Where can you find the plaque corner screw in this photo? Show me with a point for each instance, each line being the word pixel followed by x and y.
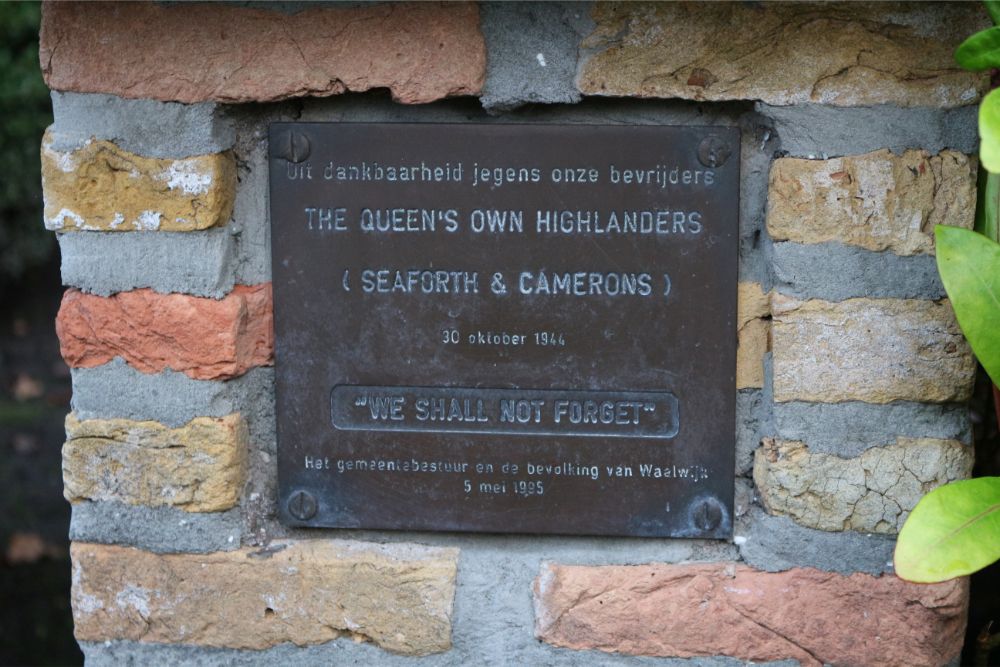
pixel 706 514
pixel 713 151
pixel 291 145
pixel 302 505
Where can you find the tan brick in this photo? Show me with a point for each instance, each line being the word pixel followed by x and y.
pixel 100 187
pixel 198 467
pixel 198 52
pixel 873 350
pixel 710 609
pixel 872 493
pixel 206 339
pixel 753 311
pixel 843 54
pixel 878 201
pixel 398 596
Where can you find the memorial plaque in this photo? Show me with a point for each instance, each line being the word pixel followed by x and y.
pixel 506 328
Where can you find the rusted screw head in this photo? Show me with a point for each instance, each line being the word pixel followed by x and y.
pixel 302 505
pixel 706 514
pixel 290 145
pixel 713 151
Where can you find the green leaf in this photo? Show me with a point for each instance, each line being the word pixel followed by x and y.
pixel 969 264
pixel 980 51
pixel 988 205
pixel 954 530
pixel 993 9
pixel 989 131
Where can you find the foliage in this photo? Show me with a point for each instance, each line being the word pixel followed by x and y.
pixel 989 131
pixel 979 51
pixel 948 533
pixel 969 264
pixel 955 529
pixel 993 9
pixel 988 205
pixel 26 111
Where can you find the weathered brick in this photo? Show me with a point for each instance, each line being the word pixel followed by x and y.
pixel 199 467
pixel 100 187
pixel 878 201
pixel 844 54
pixel 398 596
pixel 206 339
pixel 753 311
pixel 873 492
pixel 712 609
pixel 873 350
pixel 421 52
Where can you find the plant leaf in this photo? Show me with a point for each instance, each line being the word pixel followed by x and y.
pixel 980 51
pixel 988 205
pixel 954 530
pixel 989 131
pixel 993 9
pixel 969 264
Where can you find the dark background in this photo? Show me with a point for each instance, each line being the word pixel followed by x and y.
pixel 35 620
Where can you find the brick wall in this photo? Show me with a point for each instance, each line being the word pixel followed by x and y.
pixel 858 136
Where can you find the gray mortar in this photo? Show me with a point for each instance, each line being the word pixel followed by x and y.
pixel 158 529
pixel 145 127
pixel 835 271
pixel 532 52
pixel 347 652
pixel 252 208
pixel 198 263
pixel 847 429
pixel 759 145
pixel 817 131
pixel 116 390
pixel 776 543
pixel 376 108
pixel 744 497
pixel 753 422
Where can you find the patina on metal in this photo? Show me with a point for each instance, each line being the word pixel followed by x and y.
pixel 506 328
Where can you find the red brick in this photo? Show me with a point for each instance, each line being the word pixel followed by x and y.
pixel 723 609
pixel 194 52
pixel 206 339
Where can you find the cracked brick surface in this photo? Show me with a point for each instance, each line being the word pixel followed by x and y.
pixel 201 52
pixel 873 492
pixel 872 53
pixel 710 609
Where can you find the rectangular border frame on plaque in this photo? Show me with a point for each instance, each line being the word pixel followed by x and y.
pixel 506 327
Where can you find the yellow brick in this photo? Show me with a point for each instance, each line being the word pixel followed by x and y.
pixel 198 467
pixel 100 187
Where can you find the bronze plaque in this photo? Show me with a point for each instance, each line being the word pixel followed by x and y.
pixel 506 328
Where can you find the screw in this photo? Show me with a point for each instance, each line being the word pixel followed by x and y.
pixel 707 514
pixel 713 151
pixel 302 505
pixel 290 145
